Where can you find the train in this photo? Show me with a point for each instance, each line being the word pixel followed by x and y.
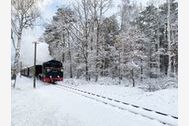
pixel 50 71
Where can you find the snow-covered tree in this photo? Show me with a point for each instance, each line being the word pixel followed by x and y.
pixel 110 30
pixel 23 16
pixel 58 36
pixel 132 49
pixel 98 9
pixel 131 45
pixel 169 24
pixel 148 22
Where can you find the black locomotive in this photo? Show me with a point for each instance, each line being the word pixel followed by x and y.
pixel 50 71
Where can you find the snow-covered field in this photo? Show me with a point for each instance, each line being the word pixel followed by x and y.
pixel 48 105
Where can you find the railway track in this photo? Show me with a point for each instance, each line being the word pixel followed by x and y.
pixel 161 117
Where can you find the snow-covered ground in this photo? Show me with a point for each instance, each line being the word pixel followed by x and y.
pixel 48 105
pixel 162 100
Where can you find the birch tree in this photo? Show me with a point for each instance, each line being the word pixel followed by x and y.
pixel 23 16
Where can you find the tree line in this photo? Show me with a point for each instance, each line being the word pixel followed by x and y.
pixel 142 43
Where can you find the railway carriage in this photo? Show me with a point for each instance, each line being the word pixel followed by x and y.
pixel 28 72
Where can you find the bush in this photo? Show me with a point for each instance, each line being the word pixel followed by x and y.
pixel 159 83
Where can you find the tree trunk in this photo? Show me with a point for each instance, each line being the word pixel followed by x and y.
pixel 132 77
pixel 97 53
pixel 86 70
pixel 63 64
pixel 17 56
pixel 158 47
pixel 20 68
pixel 86 58
pixel 141 71
pixel 63 54
pixel 120 76
pixel 14 78
pixel 70 57
pixel 169 39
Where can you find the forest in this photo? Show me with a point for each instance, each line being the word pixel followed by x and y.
pixel 137 43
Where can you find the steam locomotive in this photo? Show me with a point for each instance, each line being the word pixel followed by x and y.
pixel 50 71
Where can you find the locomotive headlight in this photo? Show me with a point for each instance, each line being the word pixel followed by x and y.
pixel 50 76
pixel 58 76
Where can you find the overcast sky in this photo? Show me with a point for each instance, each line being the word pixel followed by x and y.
pixel 48 9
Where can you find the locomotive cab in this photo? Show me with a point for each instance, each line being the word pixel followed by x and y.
pixel 52 71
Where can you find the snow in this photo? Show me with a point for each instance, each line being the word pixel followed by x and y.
pixel 163 100
pixel 50 105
